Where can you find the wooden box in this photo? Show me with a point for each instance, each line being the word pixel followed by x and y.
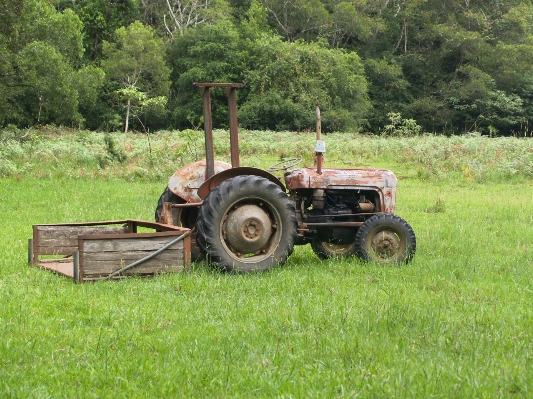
pixel 110 249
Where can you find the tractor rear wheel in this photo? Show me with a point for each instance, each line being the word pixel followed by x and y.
pixel 326 250
pixel 246 224
pixel 385 238
pixel 184 217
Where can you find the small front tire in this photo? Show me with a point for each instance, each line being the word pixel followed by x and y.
pixel 385 238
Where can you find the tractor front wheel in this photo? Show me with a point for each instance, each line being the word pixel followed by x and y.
pixel 246 224
pixel 385 238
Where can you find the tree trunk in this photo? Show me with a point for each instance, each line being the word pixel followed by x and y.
pixel 127 116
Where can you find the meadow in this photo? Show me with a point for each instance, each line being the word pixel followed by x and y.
pixel 455 322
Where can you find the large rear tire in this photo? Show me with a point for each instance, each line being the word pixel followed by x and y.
pixel 246 224
pixel 385 238
pixel 184 217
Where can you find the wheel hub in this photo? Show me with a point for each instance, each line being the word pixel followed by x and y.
pixel 386 244
pixel 248 229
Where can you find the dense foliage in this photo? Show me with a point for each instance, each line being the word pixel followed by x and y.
pixel 439 66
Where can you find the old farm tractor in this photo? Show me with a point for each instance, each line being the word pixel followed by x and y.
pixel 245 219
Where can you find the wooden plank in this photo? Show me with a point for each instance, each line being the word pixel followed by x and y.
pixel 81 258
pixel 55 251
pixel 132 256
pixel 72 232
pixel 55 260
pixel 154 265
pixel 101 223
pixel 174 234
pixel 35 249
pixel 160 226
pixel 59 242
pixel 126 244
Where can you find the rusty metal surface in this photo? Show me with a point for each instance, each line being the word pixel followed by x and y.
pixel 335 224
pixel 210 184
pixel 231 91
pixel 186 181
pixel 187 205
pixel 381 180
pixel 208 132
pixel 233 126
pixel 247 230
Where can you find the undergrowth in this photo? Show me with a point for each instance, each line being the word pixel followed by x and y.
pixel 48 153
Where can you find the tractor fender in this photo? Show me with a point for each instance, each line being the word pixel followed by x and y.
pixel 214 181
pixel 185 181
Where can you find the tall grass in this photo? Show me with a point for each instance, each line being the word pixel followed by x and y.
pixel 49 153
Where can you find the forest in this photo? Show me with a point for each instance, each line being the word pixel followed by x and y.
pixel 392 67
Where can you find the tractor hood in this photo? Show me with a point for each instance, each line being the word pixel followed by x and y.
pixel 340 178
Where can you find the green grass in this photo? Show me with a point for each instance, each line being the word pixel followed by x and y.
pixel 456 322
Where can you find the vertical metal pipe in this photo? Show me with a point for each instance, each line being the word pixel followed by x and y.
pixel 233 126
pixel 76 267
pixel 30 251
pixel 319 158
pixel 208 130
pixel 318 124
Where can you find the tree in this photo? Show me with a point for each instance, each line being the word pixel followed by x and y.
pixel 353 22
pixel 297 18
pixel 50 94
pixel 135 63
pixel 288 80
pixel 207 53
pixel 101 18
pixel 183 14
pixel 41 52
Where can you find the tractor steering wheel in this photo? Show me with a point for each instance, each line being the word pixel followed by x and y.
pixel 285 164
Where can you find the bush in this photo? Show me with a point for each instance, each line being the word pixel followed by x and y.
pixel 400 127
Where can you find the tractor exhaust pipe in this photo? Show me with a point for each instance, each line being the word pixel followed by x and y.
pixel 320 147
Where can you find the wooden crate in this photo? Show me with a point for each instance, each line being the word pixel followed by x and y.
pixel 97 250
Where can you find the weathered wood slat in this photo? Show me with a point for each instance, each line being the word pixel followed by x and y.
pixel 92 268
pixel 132 256
pixel 56 250
pixel 128 244
pixel 56 260
pixel 71 232
pixel 58 242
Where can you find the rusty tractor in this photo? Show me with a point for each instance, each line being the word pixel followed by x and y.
pixel 245 219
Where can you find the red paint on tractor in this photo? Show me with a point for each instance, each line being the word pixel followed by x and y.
pixel 381 180
pixel 186 181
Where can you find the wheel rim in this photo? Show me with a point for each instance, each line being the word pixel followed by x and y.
pixel 251 230
pixel 386 246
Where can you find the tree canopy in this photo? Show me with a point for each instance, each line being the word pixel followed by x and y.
pixel 451 67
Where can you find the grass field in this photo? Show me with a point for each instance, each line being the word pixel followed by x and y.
pixel 456 322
